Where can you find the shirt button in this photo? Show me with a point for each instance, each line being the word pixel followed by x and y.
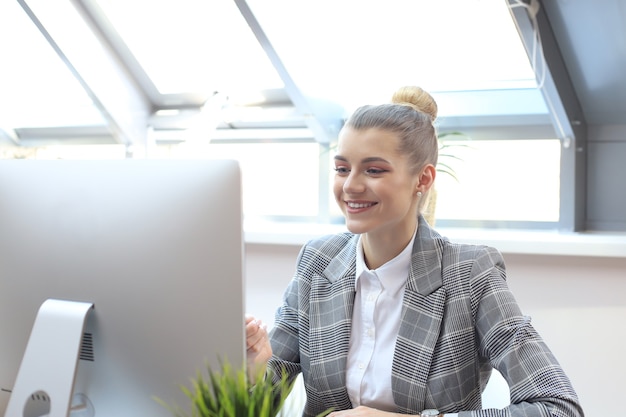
pixel 370 332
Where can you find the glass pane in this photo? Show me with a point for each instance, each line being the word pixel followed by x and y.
pixel 192 46
pixel 279 179
pixel 358 52
pixel 36 87
pixel 515 180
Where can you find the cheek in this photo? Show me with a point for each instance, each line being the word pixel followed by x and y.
pixel 401 197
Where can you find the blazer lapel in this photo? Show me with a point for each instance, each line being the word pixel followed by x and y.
pixel 332 302
pixel 422 314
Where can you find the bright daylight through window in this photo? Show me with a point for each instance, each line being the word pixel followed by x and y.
pixel 227 79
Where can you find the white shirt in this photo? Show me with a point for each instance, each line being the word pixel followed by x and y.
pixel 375 325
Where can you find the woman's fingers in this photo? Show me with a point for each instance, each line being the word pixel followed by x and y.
pixel 256 333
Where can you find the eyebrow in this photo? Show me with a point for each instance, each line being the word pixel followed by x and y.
pixel 364 160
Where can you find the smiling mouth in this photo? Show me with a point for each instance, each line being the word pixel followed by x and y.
pixel 359 205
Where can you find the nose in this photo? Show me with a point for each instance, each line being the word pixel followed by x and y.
pixel 353 183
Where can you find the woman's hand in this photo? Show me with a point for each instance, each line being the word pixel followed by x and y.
pixel 362 411
pixel 258 348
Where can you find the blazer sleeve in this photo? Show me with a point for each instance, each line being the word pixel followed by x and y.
pixel 284 337
pixel 537 383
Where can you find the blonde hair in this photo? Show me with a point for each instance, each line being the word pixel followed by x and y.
pixel 417 98
pixel 411 115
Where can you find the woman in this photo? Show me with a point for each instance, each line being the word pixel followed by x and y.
pixel 392 318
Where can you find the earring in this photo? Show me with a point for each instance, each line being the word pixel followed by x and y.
pixel 419 194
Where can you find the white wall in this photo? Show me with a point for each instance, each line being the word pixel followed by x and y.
pixel 577 303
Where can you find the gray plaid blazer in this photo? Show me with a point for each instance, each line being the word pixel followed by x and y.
pixel 459 321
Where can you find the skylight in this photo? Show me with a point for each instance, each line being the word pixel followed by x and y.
pixel 36 87
pixel 349 51
pixel 192 45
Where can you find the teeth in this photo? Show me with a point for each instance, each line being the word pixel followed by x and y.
pixel 360 205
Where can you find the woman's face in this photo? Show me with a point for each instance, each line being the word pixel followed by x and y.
pixel 373 184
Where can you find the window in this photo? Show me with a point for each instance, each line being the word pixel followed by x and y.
pixel 197 63
pixel 279 180
pixel 502 181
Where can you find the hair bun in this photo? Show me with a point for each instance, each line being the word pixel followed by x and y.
pixel 417 98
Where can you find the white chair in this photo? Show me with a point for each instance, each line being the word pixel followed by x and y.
pixel 496 393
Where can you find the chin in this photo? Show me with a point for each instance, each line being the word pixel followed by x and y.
pixel 356 228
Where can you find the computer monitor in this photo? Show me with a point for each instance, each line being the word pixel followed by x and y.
pixel 155 246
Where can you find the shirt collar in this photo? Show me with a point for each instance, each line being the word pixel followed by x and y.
pixel 400 262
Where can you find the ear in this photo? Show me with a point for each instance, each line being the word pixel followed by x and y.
pixel 426 178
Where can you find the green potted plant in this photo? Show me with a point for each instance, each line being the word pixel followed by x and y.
pixel 447 142
pixel 230 392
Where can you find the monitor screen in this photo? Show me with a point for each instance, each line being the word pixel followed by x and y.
pixel 155 246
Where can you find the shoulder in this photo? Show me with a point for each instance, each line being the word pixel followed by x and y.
pixel 471 266
pixel 319 252
pixel 479 257
pixel 460 256
pixel 329 245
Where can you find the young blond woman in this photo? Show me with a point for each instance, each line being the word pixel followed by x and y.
pixel 392 318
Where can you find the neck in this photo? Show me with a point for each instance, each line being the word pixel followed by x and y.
pixel 378 249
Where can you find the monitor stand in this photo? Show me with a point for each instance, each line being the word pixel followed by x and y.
pixel 45 379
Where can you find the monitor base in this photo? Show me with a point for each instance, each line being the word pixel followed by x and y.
pixel 45 379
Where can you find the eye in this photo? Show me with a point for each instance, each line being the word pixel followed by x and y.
pixel 375 171
pixel 342 170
